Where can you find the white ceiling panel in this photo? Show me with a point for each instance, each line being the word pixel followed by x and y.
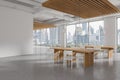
pixel 41 13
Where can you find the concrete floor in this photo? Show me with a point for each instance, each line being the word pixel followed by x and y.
pixel 33 68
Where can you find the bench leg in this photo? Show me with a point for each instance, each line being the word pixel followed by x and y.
pixel 110 53
pixel 74 55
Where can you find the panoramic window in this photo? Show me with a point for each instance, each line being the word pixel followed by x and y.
pixel 45 37
pixel 70 35
pixel 81 32
pixel 54 33
pixel 96 33
pixel 118 33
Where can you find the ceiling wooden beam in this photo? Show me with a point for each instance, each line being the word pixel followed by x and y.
pixel 38 25
pixel 83 8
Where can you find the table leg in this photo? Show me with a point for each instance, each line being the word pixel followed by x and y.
pixel 61 55
pixel 91 59
pixel 88 59
pixel 56 58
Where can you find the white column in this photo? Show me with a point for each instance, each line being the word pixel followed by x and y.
pixel 62 36
pixel 110 31
pixel 109 27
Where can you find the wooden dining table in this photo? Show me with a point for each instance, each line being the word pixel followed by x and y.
pixel 88 54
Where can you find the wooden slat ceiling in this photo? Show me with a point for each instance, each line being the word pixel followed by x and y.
pixel 38 25
pixel 83 8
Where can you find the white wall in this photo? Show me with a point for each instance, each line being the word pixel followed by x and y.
pixel 15 32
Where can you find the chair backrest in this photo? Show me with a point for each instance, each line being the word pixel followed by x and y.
pixel 89 46
pixel 97 47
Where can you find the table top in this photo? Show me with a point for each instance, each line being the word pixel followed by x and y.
pixel 107 47
pixel 78 50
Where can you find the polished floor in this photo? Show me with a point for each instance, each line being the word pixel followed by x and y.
pixel 32 67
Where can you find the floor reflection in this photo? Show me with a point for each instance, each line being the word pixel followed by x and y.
pixel 37 69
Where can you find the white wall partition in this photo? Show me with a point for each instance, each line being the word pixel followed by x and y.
pixel 15 32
